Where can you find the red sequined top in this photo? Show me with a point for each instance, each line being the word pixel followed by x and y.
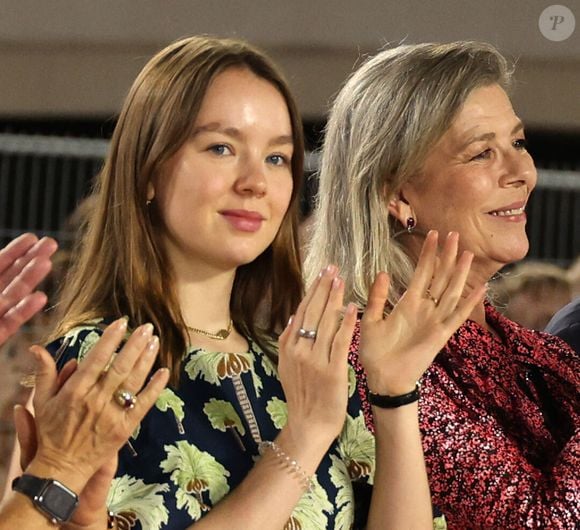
pixel 500 419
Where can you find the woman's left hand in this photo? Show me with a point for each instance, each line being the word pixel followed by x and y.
pixel 91 510
pixel 80 424
pixel 397 349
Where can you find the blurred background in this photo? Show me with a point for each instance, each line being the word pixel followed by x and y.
pixel 66 65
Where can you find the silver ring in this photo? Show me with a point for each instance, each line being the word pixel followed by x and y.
pixel 125 399
pixel 307 333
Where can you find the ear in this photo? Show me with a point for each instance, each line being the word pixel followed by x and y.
pixel 150 191
pixel 400 209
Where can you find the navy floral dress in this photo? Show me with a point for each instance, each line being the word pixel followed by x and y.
pixel 201 439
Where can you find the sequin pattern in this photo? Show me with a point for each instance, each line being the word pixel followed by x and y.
pixel 500 420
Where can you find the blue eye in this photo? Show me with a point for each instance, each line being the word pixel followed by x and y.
pixel 521 143
pixel 277 160
pixel 220 149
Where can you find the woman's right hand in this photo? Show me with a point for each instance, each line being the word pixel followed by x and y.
pixel 314 372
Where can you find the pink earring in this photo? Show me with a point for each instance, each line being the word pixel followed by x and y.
pixel 410 224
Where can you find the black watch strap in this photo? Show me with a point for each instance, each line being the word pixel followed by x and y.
pixel 51 497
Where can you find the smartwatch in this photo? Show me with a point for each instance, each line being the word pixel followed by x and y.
pixel 50 497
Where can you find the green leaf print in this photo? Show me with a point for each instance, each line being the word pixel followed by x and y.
pixel 351 381
pixel 168 400
pixel 222 416
pixel 216 366
pixel 195 472
pixel 136 432
pixel 345 497
pixel 72 336
pixel 278 411
pixel 311 512
pixel 357 448
pixel 130 499
pixel 268 366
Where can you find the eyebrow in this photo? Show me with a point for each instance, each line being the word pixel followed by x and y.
pixel 238 135
pixel 491 135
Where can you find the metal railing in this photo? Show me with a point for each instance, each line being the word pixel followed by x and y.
pixel 42 179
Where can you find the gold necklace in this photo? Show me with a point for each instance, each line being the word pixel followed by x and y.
pixel 222 334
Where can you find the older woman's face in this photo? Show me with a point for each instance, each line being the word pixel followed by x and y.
pixel 477 180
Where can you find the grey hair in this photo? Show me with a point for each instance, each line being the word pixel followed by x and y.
pixel 382 125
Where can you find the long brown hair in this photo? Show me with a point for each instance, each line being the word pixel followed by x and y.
pixel 121 268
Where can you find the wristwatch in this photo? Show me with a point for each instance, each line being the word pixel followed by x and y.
pixel 51 497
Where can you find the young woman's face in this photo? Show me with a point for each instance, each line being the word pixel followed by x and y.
pixel 223 195
pixel 477 180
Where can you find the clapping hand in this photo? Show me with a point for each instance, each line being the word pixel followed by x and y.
pixel 396 349
pixel 24 263
pixel 313 359
pixel 87 412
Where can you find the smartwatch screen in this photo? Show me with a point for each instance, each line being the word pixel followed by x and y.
pixel 58 500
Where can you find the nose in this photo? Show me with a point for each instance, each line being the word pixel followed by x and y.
pixel 519 170
pixel 252 178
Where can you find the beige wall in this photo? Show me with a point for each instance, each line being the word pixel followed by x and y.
pixel 78 57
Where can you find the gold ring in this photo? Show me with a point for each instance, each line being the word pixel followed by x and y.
pixel 432 298
pixel 125 399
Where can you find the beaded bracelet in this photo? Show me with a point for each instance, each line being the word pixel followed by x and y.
pixel 292 465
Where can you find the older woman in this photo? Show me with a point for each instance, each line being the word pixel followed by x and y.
pixel 424 137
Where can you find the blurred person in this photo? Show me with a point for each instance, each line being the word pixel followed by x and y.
pixel 566 324
pixel 195 230
pixel 531 293
pixel 573 274
pixel 424 137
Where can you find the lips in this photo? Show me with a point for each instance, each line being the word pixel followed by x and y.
pixel 243 220
pixel 510 210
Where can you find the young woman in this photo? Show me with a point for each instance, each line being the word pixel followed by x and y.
pixel 195 231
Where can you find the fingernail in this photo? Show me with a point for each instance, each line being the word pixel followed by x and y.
pixel 337 282
pixel 160 372
pixel 34 350
pixel 290 320
pixel 121 323
pixel 153 343
pixel 146 329
pixel 330 269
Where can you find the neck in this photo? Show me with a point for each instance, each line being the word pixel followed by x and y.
pixel 204 295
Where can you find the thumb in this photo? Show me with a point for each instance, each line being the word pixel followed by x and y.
pixel 26 433
pixel 46 376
